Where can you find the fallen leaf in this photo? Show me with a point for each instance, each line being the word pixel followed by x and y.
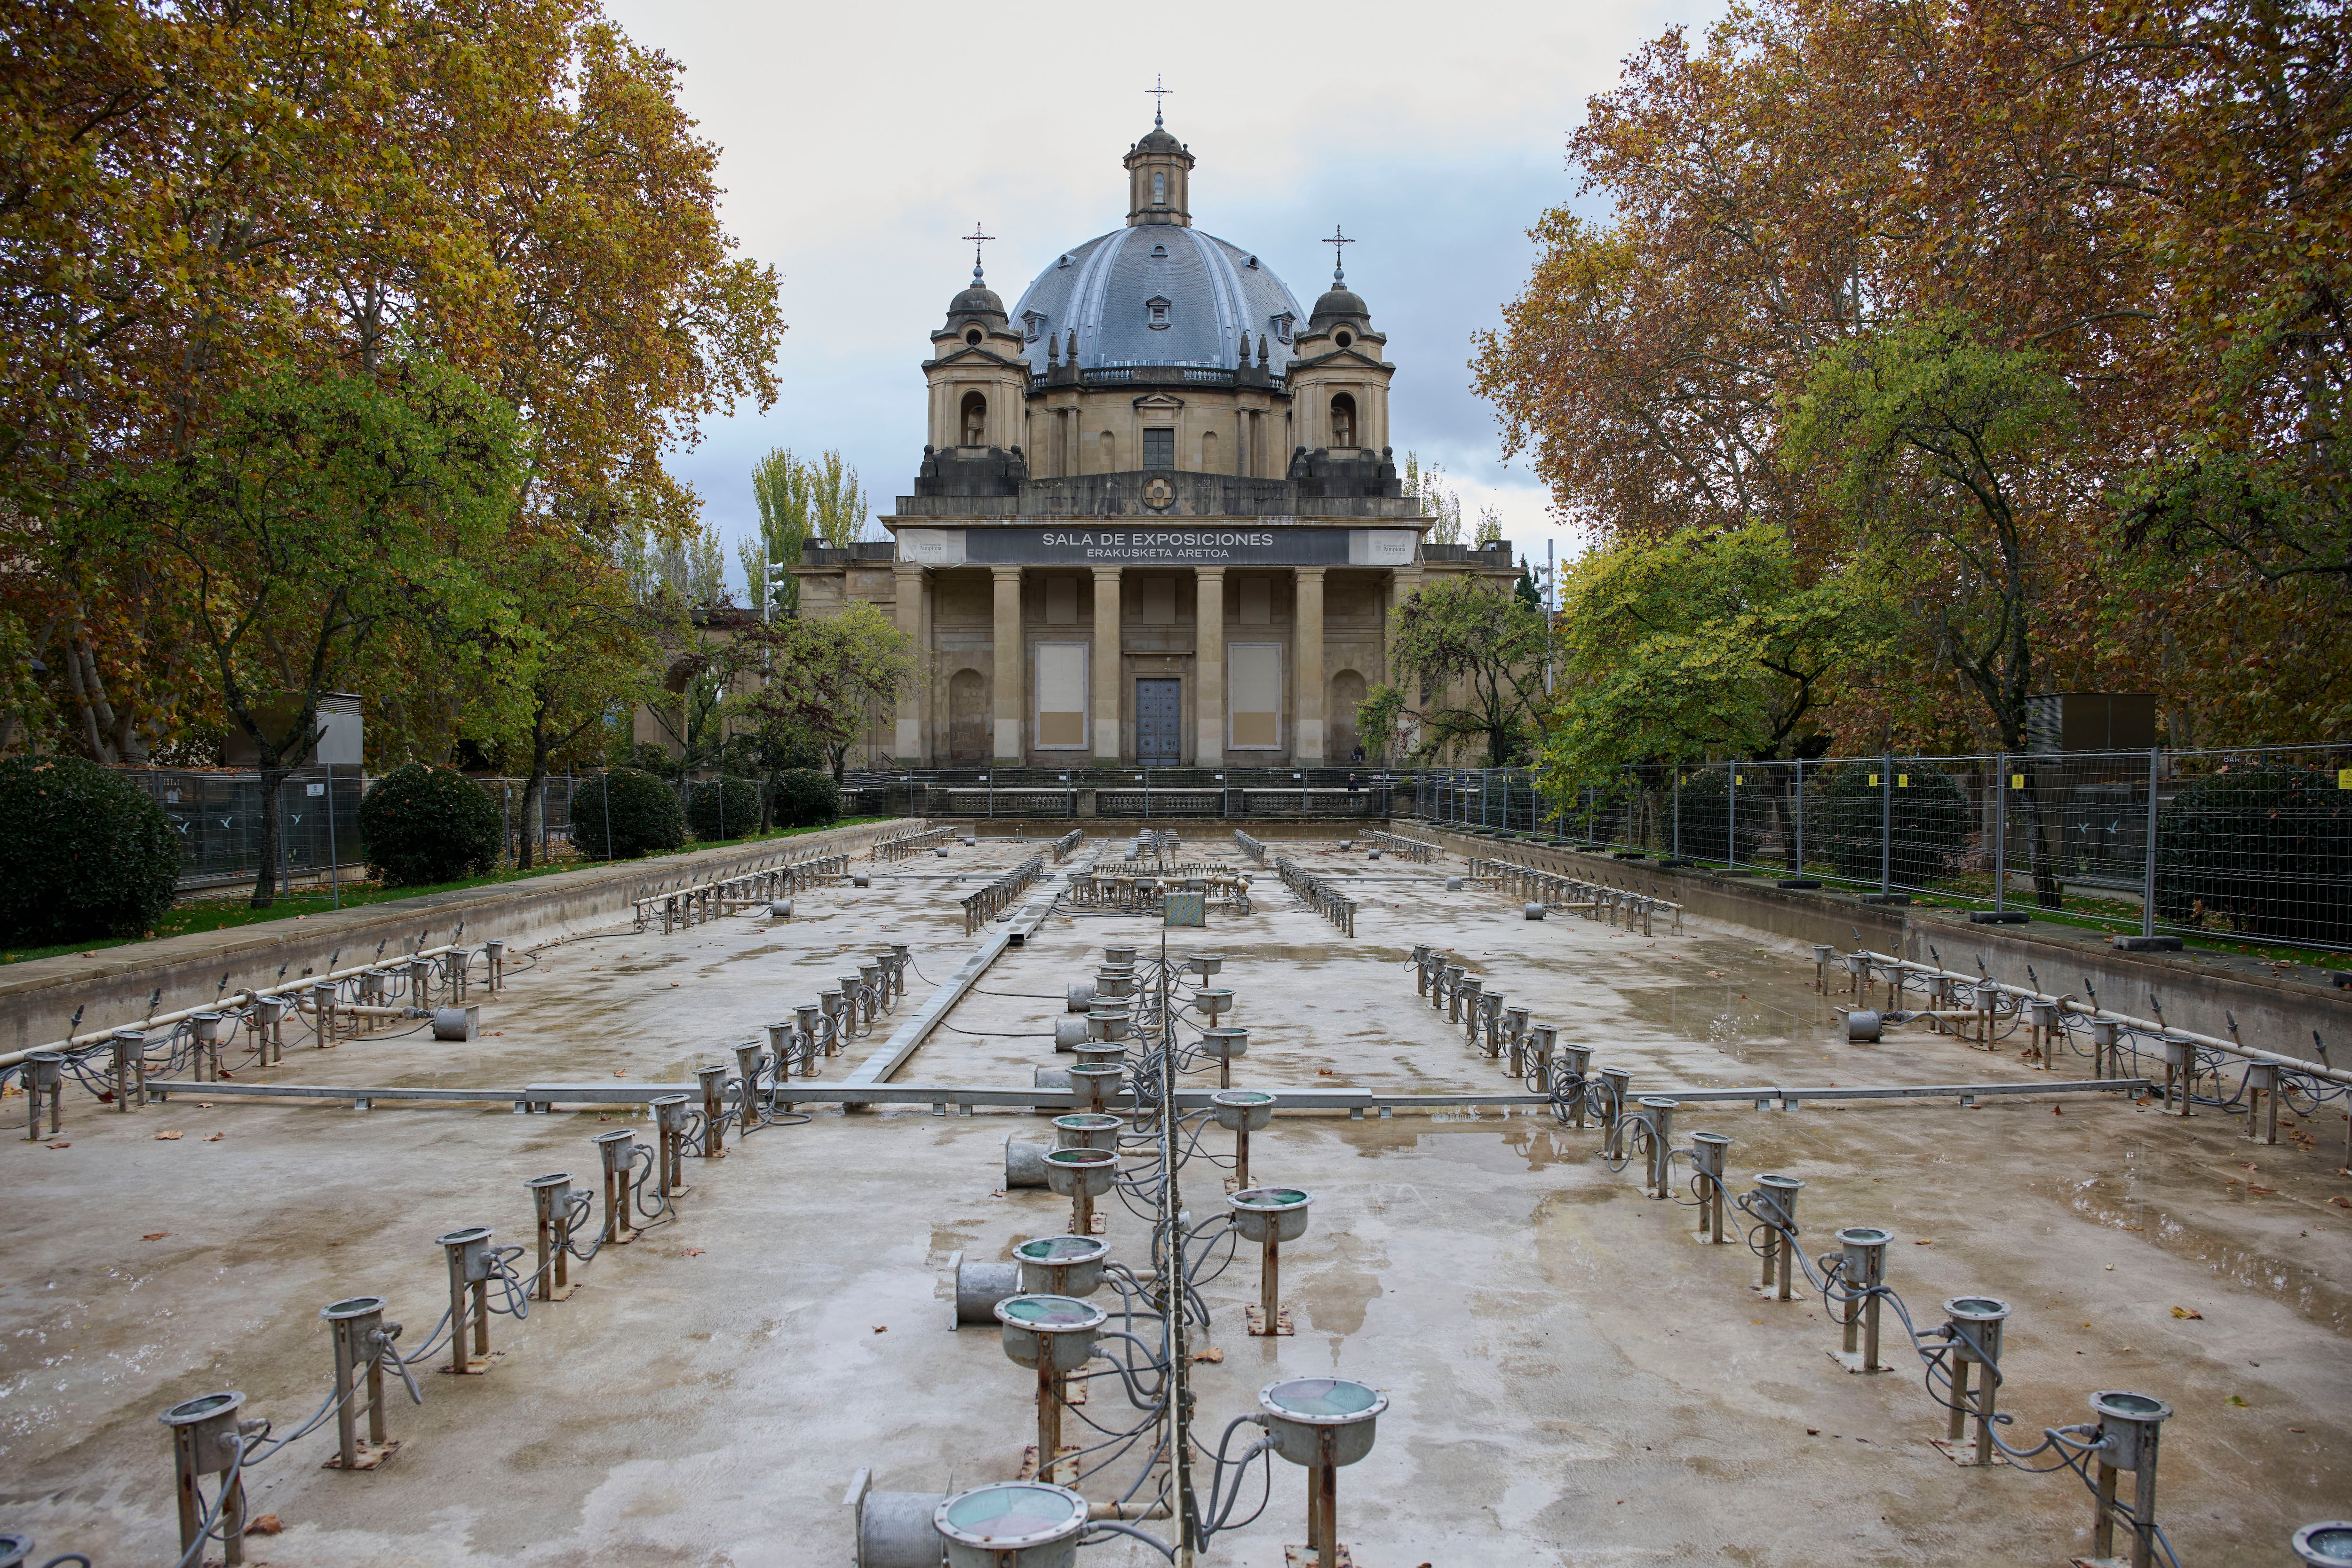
pixel 2187 1312
pixel 1715 974
pixel 2240 1403
pixel 2341 1202
pixel 217 1138
pixel 2057 1110
pixel 1212 1355
pixel 2263 1191
pixel 620 1073
pixel 204 1104
pixel 1924 1241
pixel 61 1145
pixel 1813 1431
pixel 694 1251
pixel 165 1137
pixel 267 1524
pixel 155 1236
pixel 881 1328
pixel 1323 1072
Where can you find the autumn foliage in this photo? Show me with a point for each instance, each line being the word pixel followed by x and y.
pixel 2024 321
pixel 233 232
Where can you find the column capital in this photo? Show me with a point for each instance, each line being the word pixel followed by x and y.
pixel 1002 572
pixel 1310 573
pixel 1112 571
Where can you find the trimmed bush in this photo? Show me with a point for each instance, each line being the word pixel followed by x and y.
pixel 420 825
pixel 806 799
pixel 84 853
pixel 1926 817
pixel 723 809
pixel 2263 849
pixel 626 814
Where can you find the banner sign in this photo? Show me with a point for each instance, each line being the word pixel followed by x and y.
pixel 1159 545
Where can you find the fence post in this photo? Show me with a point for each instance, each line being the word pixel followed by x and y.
pixel 335 881
pixel 1678 813
pixel 2147 871
pixel 1798 869
pixel 1731 811
pixel 1885 825
pixel 2000 834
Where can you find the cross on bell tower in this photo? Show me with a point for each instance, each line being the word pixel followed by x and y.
pixel 1339 273
pixel 1159 96
pixel 978 239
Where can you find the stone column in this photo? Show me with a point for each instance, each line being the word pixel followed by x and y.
pixel 1209 666
pixel 908 587
pixel 1402 583
pixel 1012 661
pixel 1306 628
pixel 1107 663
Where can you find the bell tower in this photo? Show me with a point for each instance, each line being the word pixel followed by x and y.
pixel 1159 177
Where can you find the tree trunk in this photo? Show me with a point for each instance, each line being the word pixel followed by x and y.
pixel 265 885
pixel 534 806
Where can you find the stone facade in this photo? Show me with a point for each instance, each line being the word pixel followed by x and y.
pixel 1158 519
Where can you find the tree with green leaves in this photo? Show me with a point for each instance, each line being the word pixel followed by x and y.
pixel 1944 461
pixel 1476 655
pixel 1695 646
pixel 823 679
pixel 820 499
pixel 1444 504
pixel 319 523
pixel 574 648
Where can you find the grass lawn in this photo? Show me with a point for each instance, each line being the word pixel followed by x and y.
pixel 219 914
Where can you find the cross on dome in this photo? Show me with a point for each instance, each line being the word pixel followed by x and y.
pixel 1159 96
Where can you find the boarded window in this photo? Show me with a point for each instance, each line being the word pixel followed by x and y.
pixel 1255 674
pixel 1256 594
pixel 1159 449
pixel 1060 694
pixel 1155 601
pixel 1061 601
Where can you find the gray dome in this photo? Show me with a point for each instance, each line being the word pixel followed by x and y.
pixel 976 300
pixel 1111 289
pixel 1340 301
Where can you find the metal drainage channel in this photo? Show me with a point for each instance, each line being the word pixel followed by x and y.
pixel 1143 1035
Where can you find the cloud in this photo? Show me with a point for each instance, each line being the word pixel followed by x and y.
pixel 860 140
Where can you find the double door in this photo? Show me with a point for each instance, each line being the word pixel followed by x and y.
pixel 1159 722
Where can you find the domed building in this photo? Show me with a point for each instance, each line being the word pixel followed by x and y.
pixel 1158 519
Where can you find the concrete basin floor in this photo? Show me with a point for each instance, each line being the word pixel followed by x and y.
pixel 1574 1379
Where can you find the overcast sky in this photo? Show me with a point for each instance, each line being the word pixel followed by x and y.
pixel 861 139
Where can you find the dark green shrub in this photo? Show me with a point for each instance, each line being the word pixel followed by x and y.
pixel 420 825
pixel 83 852
pixel 1920 808
pixel 2264 849
pixel 722 809
pixel 806 799
pixel 624 814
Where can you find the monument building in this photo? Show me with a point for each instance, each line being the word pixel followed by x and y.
pixel 1158 519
